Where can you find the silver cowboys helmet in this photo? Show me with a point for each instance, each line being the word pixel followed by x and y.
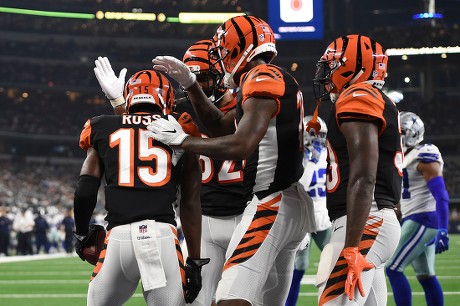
pixel 412 129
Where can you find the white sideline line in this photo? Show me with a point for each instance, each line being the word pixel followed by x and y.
pixel 48 273
pixel 42 281
pixel 4 259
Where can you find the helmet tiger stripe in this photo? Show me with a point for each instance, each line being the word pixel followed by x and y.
pixel 349 60
pixel 237 41
pixel 149 87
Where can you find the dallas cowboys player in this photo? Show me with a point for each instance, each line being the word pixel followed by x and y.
pixel 314 181
pixel 425 213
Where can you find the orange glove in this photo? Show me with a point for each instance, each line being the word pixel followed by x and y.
pixel 356 263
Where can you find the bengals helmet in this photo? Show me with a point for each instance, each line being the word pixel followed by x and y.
pixel 197 59
pixel 237 41
pixel 349 60
pixel 150 87
pixel 412 129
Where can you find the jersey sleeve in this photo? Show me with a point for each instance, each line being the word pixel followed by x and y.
pixel 264 81
pixel 85 136
pixel 362 102
pixel 429 153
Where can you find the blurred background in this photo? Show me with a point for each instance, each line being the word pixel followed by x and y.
pixel 48 89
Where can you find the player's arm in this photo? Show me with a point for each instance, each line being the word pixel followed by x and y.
pixel 190 205
pixel 432 173
pixel 252 127
pixel 362 144
pixel 85 197
pixel 216 122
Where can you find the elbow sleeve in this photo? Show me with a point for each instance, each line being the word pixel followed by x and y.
pixel 439 192
pixel 85 199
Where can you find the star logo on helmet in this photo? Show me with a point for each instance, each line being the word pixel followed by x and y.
pixel 261 37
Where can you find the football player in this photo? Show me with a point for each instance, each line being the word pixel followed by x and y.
pixel 314 181
pixel 364 173
pixel 269 135
pixel 425 215
pixel 223 194
pixel 142 176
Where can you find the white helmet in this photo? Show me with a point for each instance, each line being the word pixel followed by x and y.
pixel 412 129
pixel 310 137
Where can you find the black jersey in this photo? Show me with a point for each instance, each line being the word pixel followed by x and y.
pixel 223 192
pixel 141 174
pixel 277 161
pixel 356 101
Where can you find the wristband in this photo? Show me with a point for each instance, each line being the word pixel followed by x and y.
pixel 117 101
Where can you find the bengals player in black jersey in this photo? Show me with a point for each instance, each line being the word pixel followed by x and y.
pixel 269 135
pixel 364 173
pixel 224 195
pixel 142 177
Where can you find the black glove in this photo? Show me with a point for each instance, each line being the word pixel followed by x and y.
pixel 79 244
pixel 81 241
pixel 193 277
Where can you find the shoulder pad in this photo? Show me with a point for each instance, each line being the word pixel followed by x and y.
pixel 85 135
pixel 263 81
pixel 428 153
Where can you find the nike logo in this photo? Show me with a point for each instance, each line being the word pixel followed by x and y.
pixel 261 79
pixel 358 94
pixel 170 131
pixel 338 228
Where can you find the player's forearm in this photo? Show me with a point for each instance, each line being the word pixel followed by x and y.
pixel 207 112
pixel 359 200
pixel 191 226
pixel 229 147
pixel 85 200
pixel 438 190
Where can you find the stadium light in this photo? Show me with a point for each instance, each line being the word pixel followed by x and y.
pixel 428 16
pixel 422 51
pixel 206 17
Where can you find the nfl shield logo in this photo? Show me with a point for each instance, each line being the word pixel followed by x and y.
pixel 143 228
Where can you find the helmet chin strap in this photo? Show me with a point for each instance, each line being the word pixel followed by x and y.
pixel 228 78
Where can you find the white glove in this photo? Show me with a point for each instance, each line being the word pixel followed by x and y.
pixel 167 131
pixel 175 69
pixel 111 85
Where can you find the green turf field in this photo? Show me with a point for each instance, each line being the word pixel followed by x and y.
pixel 64 281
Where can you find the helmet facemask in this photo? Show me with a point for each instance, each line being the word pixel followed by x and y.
pixel 197 58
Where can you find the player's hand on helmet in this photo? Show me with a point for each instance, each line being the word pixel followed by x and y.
pixel 193 277
pixel 442 241
pixel 176 69
pixel 356 264
pixel 167 131
pixel 110 84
